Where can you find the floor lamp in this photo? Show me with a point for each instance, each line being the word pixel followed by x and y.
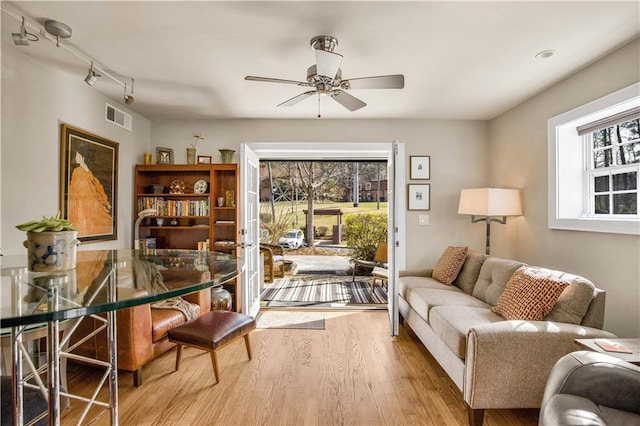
pixel 490 205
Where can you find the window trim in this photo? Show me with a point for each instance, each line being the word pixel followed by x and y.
pixel 562 136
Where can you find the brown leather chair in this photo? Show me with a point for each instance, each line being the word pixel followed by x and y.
pixel 141 333
pixel 273 261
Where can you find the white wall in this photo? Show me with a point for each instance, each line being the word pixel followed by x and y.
pixel 36 98
pixel 458 151
pixel 518 158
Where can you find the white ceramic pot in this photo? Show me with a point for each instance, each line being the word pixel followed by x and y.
pixel 51 251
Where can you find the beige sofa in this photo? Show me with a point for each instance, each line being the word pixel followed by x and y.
pixel 496 363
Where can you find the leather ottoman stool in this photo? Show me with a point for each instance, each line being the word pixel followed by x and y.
pixel 211 332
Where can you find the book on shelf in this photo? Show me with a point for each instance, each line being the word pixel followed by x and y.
pixel 174 207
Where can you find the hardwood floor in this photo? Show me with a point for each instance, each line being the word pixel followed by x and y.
pixel 351 373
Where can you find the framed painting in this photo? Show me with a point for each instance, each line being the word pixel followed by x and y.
pixel 89 183
pixel 419 167
pixel 164 155
pixel 419 197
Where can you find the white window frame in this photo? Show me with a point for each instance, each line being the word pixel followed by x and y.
pixel 566 160
pixel 590 173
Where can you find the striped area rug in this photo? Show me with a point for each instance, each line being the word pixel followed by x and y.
pixel 323 289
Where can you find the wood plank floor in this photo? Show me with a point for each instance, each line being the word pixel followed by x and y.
pixel 351 373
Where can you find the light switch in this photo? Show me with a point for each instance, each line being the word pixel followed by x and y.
pixel 423 219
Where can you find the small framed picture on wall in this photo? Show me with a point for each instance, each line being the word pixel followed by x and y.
pixel 419 196
pixel 420 167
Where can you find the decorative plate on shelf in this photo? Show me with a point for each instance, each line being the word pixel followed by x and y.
pixel 200 187
pixel 177 187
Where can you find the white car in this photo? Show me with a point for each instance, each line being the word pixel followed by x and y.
pixel 292 239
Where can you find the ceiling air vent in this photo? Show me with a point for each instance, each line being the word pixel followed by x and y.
pixel 118 117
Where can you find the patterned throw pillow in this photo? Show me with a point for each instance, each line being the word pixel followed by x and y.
pixel 448 266
pixel 529 295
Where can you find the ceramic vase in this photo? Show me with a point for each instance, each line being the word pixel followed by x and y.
pixel 221 299
pixel 51 251
pixel 191 156
pixel 226 155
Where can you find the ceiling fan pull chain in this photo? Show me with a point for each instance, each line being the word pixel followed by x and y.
pixel 319 107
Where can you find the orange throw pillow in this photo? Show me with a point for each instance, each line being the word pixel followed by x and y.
pixel 448 266
pixel 529 295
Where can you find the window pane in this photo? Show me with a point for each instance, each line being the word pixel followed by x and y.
pixel 629 153
pixel 601 204
pixel 625 181
pixel 601 184
pixel 602 138
pixel 625 203
pixel 629 130
pixel 603 158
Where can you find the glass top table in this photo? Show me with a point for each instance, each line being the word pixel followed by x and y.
pixel 103 282
pixel 141 276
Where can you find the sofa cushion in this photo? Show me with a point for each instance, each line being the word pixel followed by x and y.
pixel 470 271
pixel 407 283
pixel 452 323
pixel 494 275
pixel 423 299
pixel 530 294
pixel 449 264
pixel 574 301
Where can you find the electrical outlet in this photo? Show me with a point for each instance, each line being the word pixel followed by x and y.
pixel 423 219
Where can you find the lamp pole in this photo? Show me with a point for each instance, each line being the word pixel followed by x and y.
pixel 488 219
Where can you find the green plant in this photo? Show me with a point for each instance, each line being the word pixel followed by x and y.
pixel 322 231
pixel 277 227
pixel 363 232
pixel 47 224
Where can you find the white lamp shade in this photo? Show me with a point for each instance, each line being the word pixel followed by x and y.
pixel 490 202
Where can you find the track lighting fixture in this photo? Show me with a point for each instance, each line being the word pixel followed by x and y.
pixel 92 77
pixel 23 37
pixel 55 32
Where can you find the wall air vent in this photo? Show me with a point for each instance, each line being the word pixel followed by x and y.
pixel 118 117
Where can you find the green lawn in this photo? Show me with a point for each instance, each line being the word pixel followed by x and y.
pixel 328 221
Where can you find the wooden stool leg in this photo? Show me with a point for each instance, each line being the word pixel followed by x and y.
pixel 178 356
pixel 247 343
pixel 214 361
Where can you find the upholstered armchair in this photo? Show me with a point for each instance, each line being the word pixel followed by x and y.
pixel 591 388
pixel 273 261
pixel 142 331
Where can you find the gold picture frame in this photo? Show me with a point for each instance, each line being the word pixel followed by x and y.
pixel 89 183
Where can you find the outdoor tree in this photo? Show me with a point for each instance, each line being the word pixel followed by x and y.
pixel 312 176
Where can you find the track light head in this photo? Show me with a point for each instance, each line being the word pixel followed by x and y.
pixel 128 99
pixel 22 38
pixel 92 77
pixel 19 40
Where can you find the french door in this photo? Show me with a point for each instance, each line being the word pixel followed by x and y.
pixel 392 153
pixel 250 230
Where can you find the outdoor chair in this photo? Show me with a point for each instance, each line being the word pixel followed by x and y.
pixel 273 261
pixel 379 264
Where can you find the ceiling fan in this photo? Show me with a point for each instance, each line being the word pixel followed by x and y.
pixel 326 78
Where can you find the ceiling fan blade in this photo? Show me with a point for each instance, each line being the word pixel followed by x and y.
pixel 276 80
pixel 395 81
pixel 327 63
pixel 301 97
pixel 346 100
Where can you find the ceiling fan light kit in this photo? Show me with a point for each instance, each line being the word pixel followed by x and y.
pixel 326 78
